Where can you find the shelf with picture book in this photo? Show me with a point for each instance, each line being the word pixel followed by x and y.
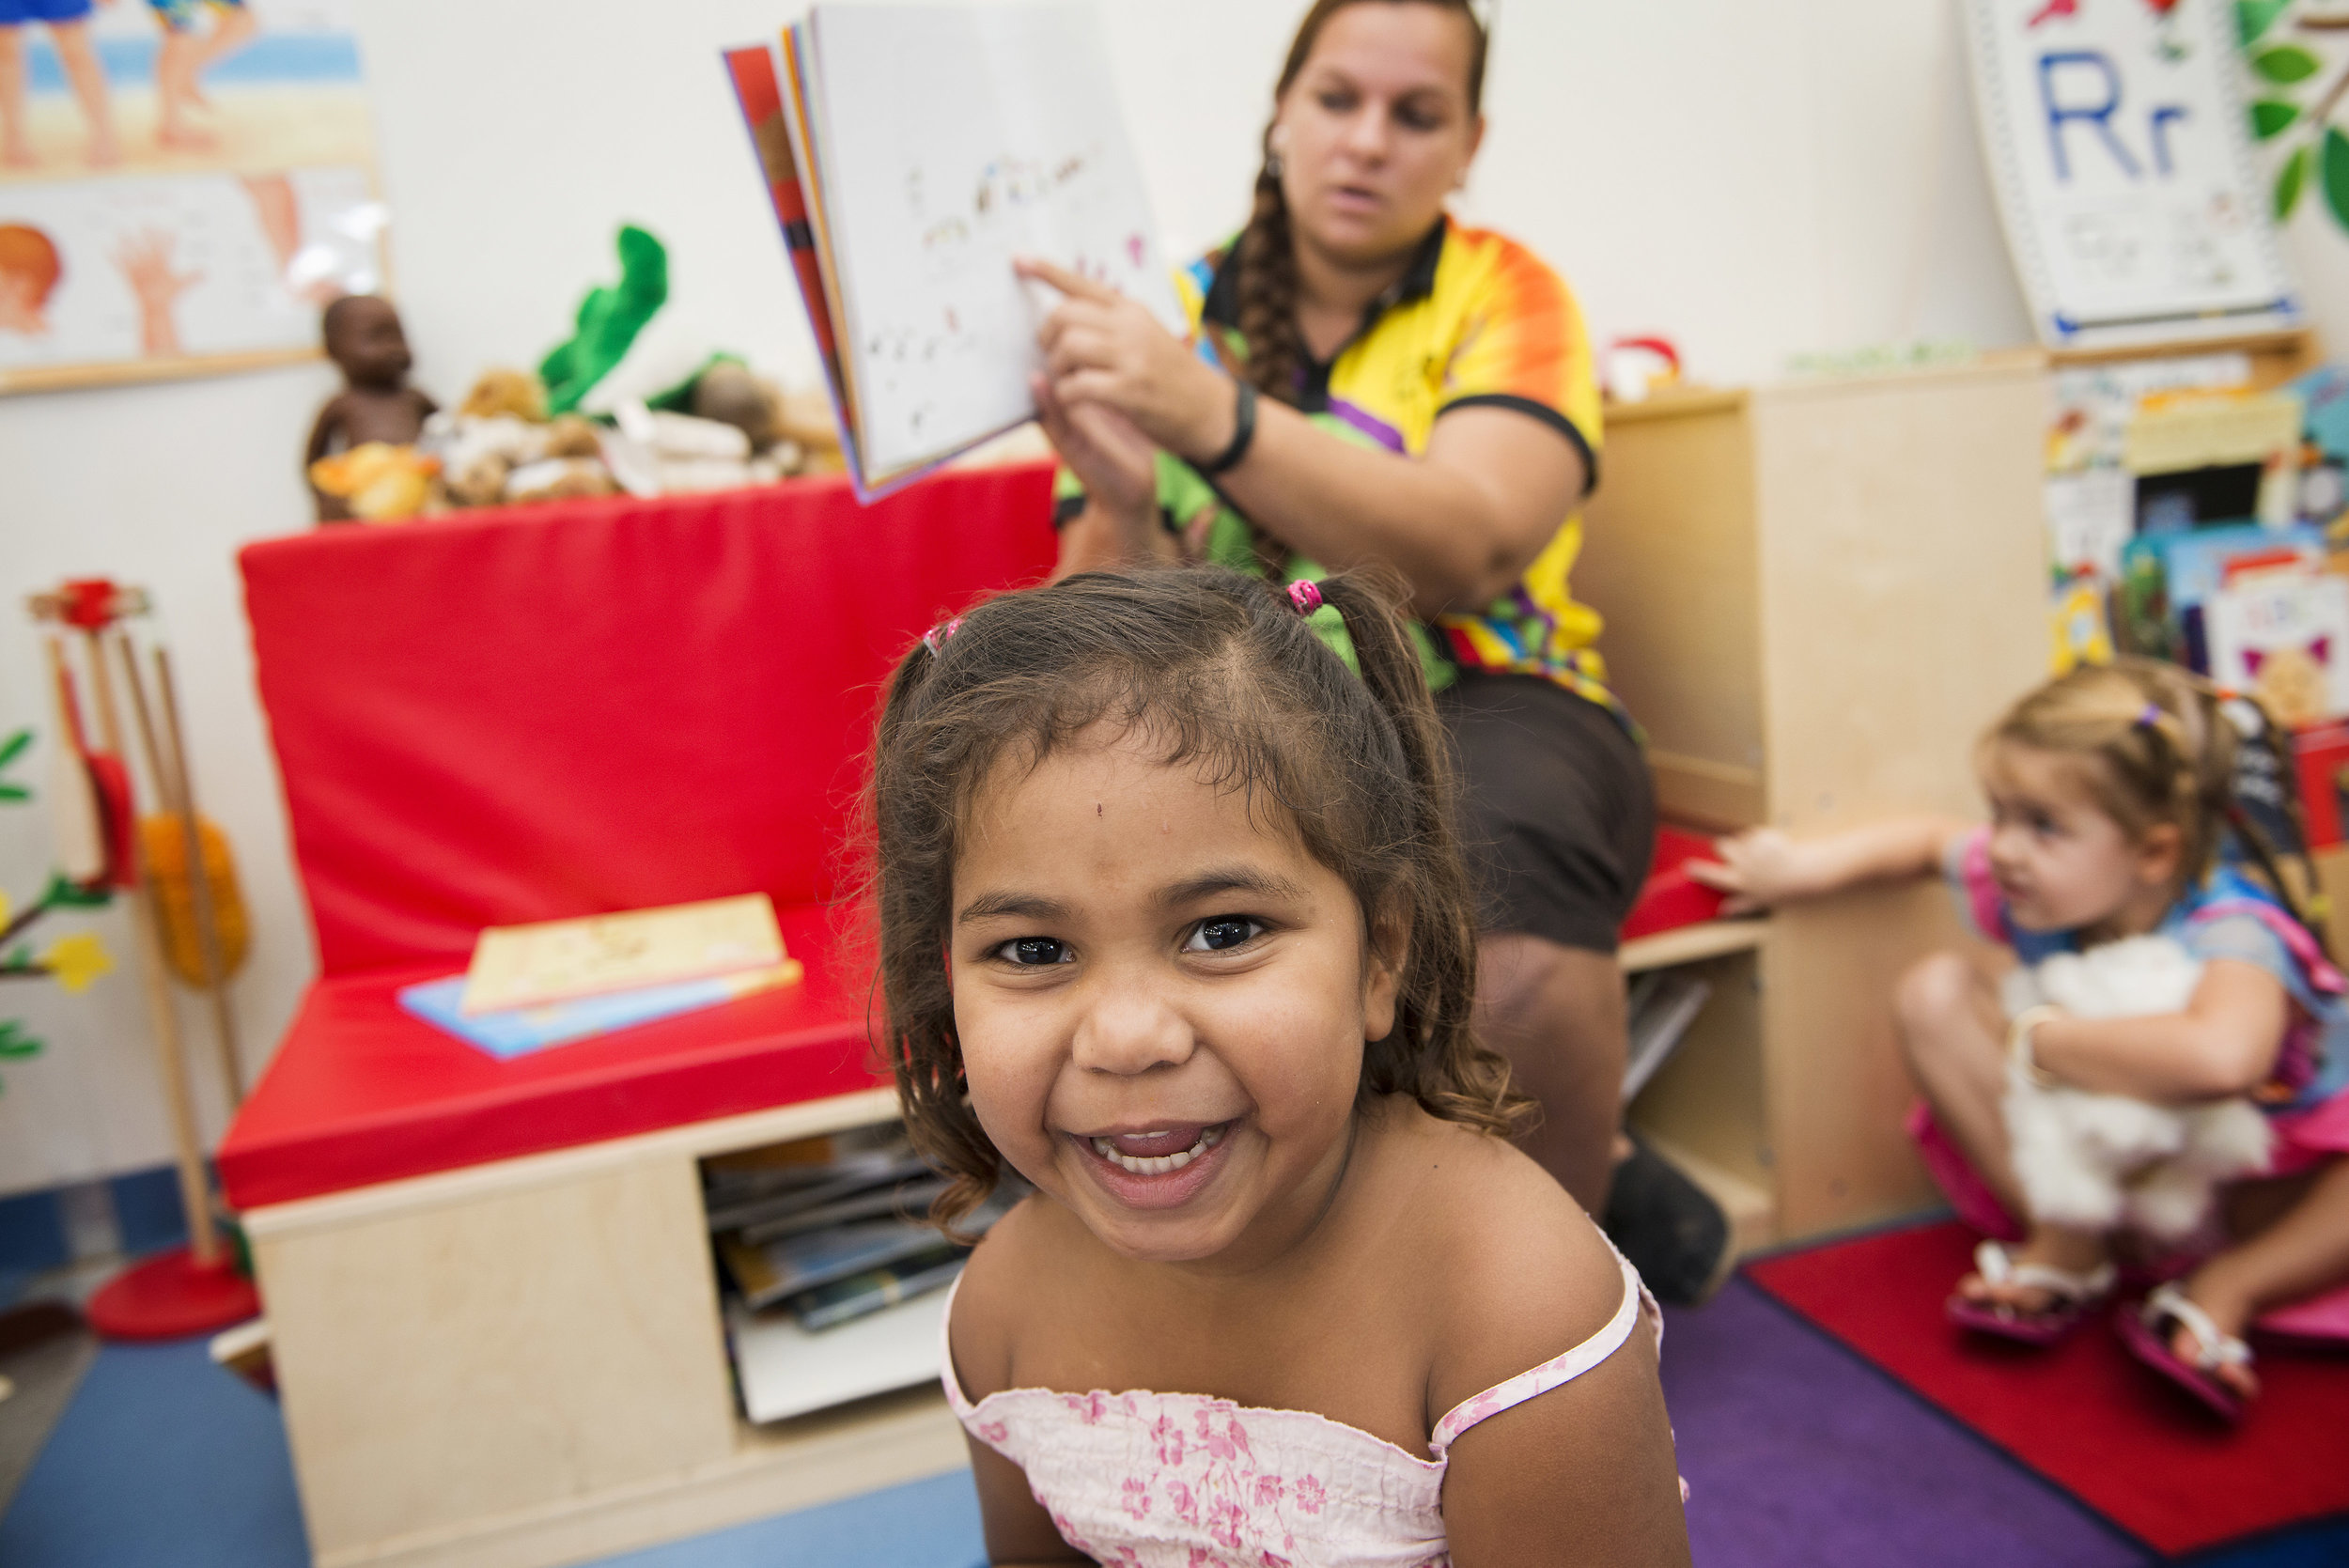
pixel 833 1282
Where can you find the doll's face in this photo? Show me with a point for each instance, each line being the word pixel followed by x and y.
pixel 363 337
pixel 1162 1002
pixel 1377 130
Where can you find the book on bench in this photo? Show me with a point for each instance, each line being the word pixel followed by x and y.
pixel 910 152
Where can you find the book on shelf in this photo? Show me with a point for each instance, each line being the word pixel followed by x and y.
pixel 845 1300
pixel 783 1196
pixel 784 1370
pixel 783 1268
pixel 911 152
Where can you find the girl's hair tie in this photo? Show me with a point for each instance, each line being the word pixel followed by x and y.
pixel 935 638
pixel 1304 598
pixel 2149 716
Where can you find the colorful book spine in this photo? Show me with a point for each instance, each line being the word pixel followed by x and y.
pixel 759 93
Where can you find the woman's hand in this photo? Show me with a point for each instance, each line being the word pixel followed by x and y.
pixel 1103 349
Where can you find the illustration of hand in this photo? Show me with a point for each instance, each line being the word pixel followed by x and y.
pixel 144 260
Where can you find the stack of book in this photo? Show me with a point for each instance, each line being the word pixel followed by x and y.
pixel 837 1278
pixel 532 986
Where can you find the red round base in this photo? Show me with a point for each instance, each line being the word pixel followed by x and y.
pixel 171 1296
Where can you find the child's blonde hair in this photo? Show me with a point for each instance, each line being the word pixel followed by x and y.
pixel 2161 750
pixel 2158 750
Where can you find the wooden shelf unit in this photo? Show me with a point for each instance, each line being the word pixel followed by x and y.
pixel 1817 593
pixel 522 1364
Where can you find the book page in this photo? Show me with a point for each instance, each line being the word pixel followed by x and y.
pixel 952 139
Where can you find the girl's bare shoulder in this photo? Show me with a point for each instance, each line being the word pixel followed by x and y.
pixel 997 1293
pixel 1516 1273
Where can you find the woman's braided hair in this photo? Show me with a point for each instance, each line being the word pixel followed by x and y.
pixel 1266 251
pixel 2163 752
pixel 1217 672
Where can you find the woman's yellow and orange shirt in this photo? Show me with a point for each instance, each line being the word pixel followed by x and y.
pixel 1477 321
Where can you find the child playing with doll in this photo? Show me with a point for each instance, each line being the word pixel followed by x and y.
pixel 2110 792
pixel 1172 923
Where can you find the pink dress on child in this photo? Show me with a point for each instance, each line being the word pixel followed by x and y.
pixel 1181 1481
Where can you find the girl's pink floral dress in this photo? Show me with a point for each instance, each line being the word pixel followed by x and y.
pixel 1180 1480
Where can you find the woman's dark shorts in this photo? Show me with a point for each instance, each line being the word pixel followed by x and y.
pixel 1557 812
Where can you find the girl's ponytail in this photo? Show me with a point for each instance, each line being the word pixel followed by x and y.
pixel 1442 963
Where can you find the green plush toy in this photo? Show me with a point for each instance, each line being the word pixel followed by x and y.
pixel 609 320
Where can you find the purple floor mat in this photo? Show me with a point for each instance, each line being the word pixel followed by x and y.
pixel 1800 1456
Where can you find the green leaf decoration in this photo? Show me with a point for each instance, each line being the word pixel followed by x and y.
pixel 15 1043
pixel 2252 18
pixel 2290 181
pixel 14 792
pixel 13 747
pixel 2285 63
pixel 2270 115
pixel 2336 175
pixel 21 959
pixel 65 893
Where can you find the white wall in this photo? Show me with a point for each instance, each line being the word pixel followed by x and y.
pixel 1755 181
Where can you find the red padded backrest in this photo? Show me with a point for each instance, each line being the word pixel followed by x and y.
pixel 596 706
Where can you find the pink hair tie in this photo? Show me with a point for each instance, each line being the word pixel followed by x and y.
pixel 1305 597
pixel 936 637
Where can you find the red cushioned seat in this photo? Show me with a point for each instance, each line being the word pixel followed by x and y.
pixel 567 710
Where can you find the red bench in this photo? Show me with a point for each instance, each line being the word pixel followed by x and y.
pixel 561 710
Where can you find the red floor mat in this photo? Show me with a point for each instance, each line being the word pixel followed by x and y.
pixel 2084 1415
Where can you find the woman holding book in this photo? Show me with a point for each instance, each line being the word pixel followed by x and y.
pixel 1369 385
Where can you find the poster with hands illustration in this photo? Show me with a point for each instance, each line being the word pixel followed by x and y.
pixel 181 187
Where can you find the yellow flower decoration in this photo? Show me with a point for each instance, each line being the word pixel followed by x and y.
pixel 77 961
pixel 6 910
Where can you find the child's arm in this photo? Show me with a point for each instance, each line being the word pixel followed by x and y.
pixel 1020 1534
pixel 2224 1044
pixel 1764 866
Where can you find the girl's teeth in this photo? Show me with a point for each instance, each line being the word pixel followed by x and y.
pixel 1162 1164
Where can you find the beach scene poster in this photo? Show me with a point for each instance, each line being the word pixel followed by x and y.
pixel 183 185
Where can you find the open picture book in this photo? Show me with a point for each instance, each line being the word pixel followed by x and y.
pixel 912 153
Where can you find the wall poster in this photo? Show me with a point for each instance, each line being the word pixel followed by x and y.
pixel 2117 141
pixel 183 184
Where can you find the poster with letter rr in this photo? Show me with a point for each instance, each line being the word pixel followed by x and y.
pixel 2116 142
pixel 184 184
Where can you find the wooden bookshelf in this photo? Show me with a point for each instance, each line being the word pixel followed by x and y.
pixel 1817 593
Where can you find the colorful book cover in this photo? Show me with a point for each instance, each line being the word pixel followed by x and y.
pixel 2321 757
pixel 519 1032
pixel 845 1300
pixel 2285 641
pixel 765 1275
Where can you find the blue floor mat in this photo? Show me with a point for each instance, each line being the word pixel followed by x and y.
pixel 163 1461
pixel 923 1524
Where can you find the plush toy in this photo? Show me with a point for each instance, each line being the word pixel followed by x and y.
pixel 608 321
pixel 376 482
pixel 499 392
pixel 2102 1162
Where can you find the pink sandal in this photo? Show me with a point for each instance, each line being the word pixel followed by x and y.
pixel 2147 1332
pixel 2076 1294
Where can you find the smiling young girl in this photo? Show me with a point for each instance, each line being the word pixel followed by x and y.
pixel 2109 792
pixel 1174 925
